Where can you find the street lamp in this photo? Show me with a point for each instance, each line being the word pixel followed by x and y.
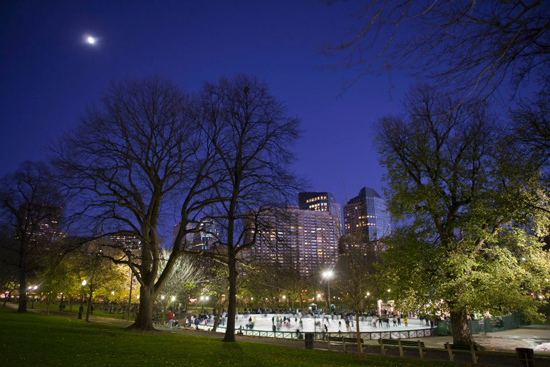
pixel 81 308
pixel 327 274
pixel 33 298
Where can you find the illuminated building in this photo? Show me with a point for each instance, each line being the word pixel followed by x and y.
pixel 366 214
pixel 304 238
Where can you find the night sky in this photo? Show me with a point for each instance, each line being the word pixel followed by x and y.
pixel 49 74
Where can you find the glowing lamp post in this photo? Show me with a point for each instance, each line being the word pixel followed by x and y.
pixel 81 308
pixel 327 275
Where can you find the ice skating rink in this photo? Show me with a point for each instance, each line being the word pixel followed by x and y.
pixel 265 323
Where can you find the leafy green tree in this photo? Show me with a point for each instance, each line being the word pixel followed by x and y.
pixel 471 228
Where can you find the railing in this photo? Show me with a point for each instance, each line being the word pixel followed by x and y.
pixel 370 335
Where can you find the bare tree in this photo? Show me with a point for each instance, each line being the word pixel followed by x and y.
pixel 31 205
pixel 352 273
pixel 252 139
pixel 473 45
pixel 186 275
pixel 129 162
pixel 531 133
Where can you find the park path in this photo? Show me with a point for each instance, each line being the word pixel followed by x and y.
pixel 500 346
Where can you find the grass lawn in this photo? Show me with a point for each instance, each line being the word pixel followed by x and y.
pixel 97 309
pixel 40 340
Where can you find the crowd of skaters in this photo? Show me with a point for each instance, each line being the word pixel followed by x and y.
pixel 292 319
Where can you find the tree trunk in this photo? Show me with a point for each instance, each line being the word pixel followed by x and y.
pixel 89 306
pixel 144 319
pixel 22 290
pixel 230 331
pixel 461 330
pixel 359 346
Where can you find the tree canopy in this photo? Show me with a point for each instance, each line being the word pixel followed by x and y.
pixel 471 228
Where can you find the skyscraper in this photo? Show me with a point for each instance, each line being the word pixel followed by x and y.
pixel 304 237
pixel 321 202
pixel 366 215
pixel 301 239
pixel 203 239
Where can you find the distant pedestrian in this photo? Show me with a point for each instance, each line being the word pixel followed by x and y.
pixel 406 321
pixel 170 318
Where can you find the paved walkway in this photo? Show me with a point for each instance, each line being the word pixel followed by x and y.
pixel 500 346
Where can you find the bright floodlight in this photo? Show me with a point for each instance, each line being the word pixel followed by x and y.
pixel 368 293
pixel 284 297
pixel 173 298
pixel 328 274
pixel 162 297
pixel 91 40
pixel 35 287
pixel 84 282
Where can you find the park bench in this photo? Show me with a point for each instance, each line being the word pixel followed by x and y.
pixel 341 340
pixel 472 348
pixel 402 344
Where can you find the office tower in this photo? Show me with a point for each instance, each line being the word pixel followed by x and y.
pixel 366 215
pixel 320 201
pixel 305 237
pixel 204 238
pixel 301 239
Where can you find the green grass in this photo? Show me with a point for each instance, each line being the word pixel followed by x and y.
pixel 54 307
pixel 39 340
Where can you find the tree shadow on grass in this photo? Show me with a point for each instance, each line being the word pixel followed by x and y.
pixel 236 351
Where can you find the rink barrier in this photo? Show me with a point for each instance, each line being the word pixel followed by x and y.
pixel 369 335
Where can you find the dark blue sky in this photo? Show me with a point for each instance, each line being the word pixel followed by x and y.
pixel 48 74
